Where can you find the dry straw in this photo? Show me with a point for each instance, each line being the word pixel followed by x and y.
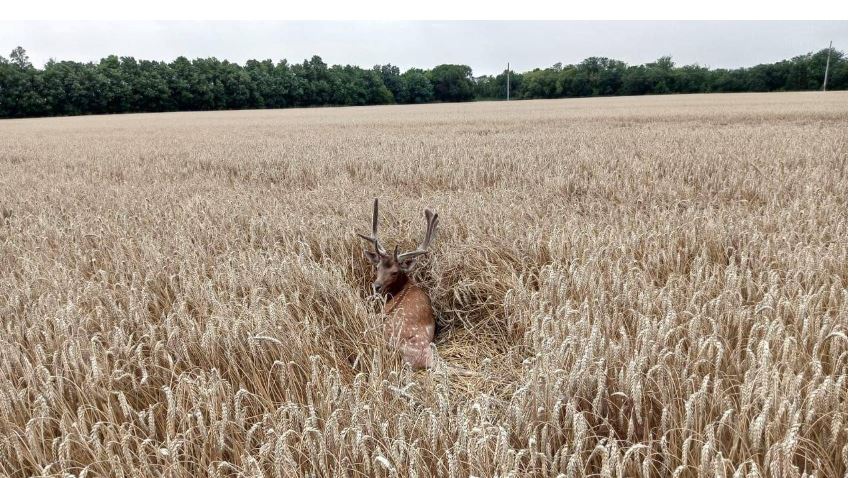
pixel 642 286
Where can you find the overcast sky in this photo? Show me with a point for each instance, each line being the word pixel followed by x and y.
pixel 484 45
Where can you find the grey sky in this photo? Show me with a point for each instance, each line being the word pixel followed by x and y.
pixel 483 45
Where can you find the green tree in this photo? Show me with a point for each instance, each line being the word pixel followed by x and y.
pixel 377 92
pixel 692 79
pixel 239 92
pixel 19 58
pixel 452 82
pixel 72 88
pixel 540 84
pixel 286 86
pixel 116 91
pixel 415 87
pixel 391 78
pixel 21 87
pixel 316 81
pixel 183 82
pixel 117 85
pixel 660 75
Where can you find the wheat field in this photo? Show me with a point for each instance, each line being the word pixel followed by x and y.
pixel 635 287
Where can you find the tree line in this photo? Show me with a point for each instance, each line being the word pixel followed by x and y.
pixel 125 85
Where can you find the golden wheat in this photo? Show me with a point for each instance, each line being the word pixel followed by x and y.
pixel 642 287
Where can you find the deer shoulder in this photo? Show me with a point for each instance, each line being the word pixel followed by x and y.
pixel 411 314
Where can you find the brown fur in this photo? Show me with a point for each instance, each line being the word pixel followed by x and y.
pixel 410 324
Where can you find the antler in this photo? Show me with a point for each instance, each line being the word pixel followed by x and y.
pixel 431 220
pixel 374 237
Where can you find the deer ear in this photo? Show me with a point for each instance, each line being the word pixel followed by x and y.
pixel 373 257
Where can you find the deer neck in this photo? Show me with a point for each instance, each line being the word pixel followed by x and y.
pixel 396 295
pixel 402 283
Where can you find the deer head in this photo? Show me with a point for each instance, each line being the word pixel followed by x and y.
pixel 391 269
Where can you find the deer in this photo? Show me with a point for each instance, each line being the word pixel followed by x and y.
pixel 409 324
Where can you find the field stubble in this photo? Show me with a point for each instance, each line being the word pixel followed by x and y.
pixel 642 287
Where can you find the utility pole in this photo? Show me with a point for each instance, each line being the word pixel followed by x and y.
pixel 508 73
pixel 826 73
